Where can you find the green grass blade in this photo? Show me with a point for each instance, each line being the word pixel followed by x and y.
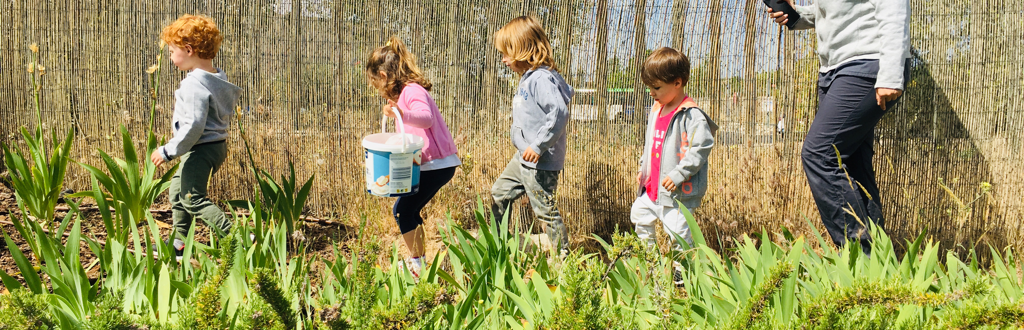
pixel 695 232
pixel 9 282
pixel 32 279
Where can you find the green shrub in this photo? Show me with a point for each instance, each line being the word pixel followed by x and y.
pixel 203 310
pixel 22 310
pixel 259 315
pixel 414 310
pixel 109 316
pixel 581 307
pixel 265 285
pixel 983 315
pixel 361 288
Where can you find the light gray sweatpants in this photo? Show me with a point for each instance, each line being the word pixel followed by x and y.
pixel 539 186
pixel 643 214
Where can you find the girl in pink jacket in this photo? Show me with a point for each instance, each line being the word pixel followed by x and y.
pixel 392 70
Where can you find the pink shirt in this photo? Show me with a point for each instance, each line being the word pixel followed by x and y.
pixel 660 128
pixel 422 118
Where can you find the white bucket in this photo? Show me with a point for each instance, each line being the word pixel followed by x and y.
pixel 392 168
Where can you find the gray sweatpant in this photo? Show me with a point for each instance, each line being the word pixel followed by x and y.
pixel 539 186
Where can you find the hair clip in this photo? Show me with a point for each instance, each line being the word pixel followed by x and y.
pixel 387 44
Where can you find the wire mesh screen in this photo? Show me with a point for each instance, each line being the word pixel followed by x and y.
pixel 945 157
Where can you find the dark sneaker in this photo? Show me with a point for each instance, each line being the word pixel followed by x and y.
pixel 677 277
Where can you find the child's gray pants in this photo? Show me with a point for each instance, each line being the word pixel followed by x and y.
pixel 539 186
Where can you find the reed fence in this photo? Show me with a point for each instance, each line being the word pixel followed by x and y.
pixel 947 157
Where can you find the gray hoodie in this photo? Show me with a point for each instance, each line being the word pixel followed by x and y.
pixel 203 107
pixel 540 112
pixel 851 30
pixel 691 132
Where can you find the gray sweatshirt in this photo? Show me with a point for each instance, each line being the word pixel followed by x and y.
pixel 540 112
pixel 861 29
pixel 684 158
pixel 203 107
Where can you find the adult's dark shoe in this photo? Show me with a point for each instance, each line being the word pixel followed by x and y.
pixel 677 277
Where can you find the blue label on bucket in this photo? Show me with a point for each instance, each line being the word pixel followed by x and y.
pixel 392 174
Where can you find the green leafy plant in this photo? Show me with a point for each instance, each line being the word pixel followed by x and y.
pixel 285 200
pixel 37 179
pixel 582 306
pixel 109 316
pixel 128 186
pixel 205 308
pixel 73 295
pixel 489 279
pixel 38 183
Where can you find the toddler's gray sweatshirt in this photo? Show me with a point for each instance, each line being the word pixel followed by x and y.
pixel 540 111
pixel 203 107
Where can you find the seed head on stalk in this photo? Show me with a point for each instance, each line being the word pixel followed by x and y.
pixel 37 86
pixel 154 73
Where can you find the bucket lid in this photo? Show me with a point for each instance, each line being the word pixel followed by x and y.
pixel 379 142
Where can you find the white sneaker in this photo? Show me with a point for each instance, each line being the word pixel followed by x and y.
pixel 415 266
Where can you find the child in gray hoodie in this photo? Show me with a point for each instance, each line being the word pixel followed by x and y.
pixel 674 166
pixel 203 107
pixel 539 114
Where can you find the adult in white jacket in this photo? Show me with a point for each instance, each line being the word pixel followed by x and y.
pixel 863 47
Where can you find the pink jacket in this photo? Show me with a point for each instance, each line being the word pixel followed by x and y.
pixel 422 118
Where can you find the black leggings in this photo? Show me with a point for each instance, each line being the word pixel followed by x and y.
pixel 407 209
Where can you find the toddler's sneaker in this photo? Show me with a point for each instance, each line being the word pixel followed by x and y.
pixel 415 266
pixel 179 249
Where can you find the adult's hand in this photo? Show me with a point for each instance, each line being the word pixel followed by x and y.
pixel 885 95
pixel 779 17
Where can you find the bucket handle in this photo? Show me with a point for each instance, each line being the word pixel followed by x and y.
pixel 399 126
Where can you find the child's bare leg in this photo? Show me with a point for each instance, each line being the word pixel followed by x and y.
pixel 407 209
pixel 414 240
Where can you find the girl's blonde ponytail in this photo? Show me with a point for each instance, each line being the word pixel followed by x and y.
pixel 398 64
